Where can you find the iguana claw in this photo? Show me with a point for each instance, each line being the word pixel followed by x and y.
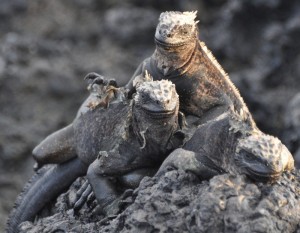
pixel 118 204
pixel 112 82
pixel 100 80
pixel 92 76
pixel 82 196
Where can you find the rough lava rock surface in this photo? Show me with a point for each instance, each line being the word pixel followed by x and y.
pixel 179 202
pixel 43 58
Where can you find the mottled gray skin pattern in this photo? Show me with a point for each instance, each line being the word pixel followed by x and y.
pixel 203 87
pixel 123 131
pixel 229 144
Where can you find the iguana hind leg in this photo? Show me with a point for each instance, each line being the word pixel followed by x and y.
pixel 56 148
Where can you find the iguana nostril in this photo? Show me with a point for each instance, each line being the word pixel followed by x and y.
pixel 169 35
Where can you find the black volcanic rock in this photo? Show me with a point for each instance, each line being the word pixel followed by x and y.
pixel 179 202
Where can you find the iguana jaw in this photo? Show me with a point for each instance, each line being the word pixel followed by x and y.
pixel 164 44
pixel 161 114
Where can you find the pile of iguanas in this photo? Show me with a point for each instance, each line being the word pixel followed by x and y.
pixel 180 110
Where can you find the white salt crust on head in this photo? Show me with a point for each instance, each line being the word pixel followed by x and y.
pixel 170 22
pixel 178 18
pixel 262 145
pixel 158 90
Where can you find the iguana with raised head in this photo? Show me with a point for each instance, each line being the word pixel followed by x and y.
pixel 229 144
pixel 137 134
pixel 204 89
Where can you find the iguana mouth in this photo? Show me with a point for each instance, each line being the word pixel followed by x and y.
pixel 170 45
pixel 263 175
pixel 160 114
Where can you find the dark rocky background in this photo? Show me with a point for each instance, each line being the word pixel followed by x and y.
pixel 46 48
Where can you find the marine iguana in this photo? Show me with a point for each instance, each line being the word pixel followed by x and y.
pixel 136 134
pixel 229 144
pixel 204 89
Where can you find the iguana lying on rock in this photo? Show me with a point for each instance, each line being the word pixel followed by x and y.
pixel 204 89
pixel 229 144
pixel 135 134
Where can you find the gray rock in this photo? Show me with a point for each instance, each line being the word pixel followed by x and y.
pixel 179 202
pixel 127 25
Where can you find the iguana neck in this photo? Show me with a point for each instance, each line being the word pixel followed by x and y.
pixel 174 58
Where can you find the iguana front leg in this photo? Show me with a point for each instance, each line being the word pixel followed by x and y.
pixel 130 180
pixel 103 187
pixel 104 171
pixel 197 163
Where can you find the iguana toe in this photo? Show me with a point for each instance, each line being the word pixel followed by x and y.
pixel 92 76
pixel 113 208
pixel 112 82
pixel 82 195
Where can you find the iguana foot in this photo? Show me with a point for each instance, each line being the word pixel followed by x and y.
pixel 126 198
pixel 112 209
pixel 93 76
pixel 105 90
pixel 117 205
pixel 84 195
pixel 98 79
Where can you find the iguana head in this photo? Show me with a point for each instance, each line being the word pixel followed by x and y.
pixel 155 114
pixel 176 28
pixel 156 99
pixel 263 157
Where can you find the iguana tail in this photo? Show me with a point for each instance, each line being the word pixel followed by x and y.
pixel 42 188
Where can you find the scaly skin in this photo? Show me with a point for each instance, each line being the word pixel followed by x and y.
pixel 229 144
pixel 136 134
pixel 203 87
